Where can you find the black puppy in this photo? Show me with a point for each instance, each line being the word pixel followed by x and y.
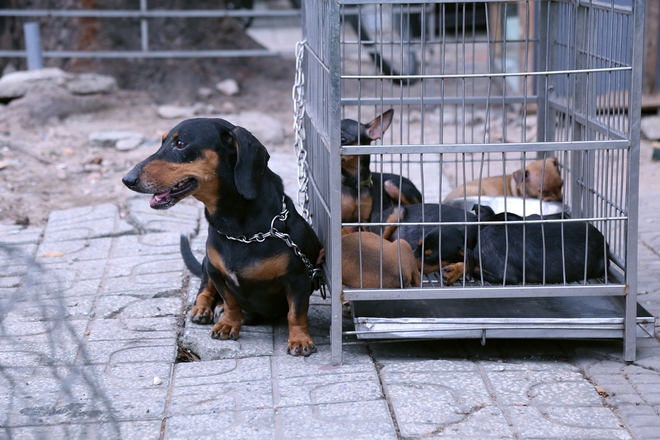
pixel 364 192
pixel 539 253
pixel 249 263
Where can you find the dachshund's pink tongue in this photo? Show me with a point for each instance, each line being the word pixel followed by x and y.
pixel 158 198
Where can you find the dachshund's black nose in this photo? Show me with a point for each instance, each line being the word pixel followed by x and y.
pixel 131 179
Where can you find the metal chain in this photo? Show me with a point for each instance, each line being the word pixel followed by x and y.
pixel 297 95
pixel 316 275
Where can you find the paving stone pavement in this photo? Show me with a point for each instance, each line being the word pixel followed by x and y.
pixel 94 334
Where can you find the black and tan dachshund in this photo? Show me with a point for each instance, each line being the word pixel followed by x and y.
pixel 226 168
pixel 364 192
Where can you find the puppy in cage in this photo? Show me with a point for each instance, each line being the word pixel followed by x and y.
pixel 364 192
pixel 540 179
pixel 541 251
pixel 371 261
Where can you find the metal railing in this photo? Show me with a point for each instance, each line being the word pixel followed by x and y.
pixel 144 14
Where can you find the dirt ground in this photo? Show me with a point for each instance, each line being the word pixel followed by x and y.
pixel 47 162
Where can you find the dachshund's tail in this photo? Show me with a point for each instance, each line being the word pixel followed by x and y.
pixel 189 259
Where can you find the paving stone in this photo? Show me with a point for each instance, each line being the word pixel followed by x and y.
pixel 136 306
pixel 417 350
pixel 85 223
pixel 549 388
pixel 60 283
pixel 157 285
pixel 427 366
pixel 424 401
pixel 523 365
pixel 74 250
pixel 328 388
pixel 368 419
pixel 11 281
pixel 249 424
pixel 19 235
pixel 621 399
pixel 631 411
pixel 193 289
pixel 37 352
pixel 9 295
pixel 252 341
pixel 71 270
pixel 567 423
pixel 156 245
pixel 41 326
pixel 133 329
pixel 182 218
pixel 223 371
pixel 14 267
pixel 112 352
pixel 98 431
pixel 216 398
pixel 487 422
pixel 355 359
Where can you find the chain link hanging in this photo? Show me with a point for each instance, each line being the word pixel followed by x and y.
pixel 315 274
pixel 298 94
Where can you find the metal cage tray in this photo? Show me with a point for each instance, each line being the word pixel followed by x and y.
pixel 547 317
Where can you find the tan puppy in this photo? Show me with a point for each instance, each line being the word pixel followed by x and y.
pixel 392 271
pixel 496 186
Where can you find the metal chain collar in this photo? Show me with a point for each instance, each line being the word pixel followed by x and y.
pixel 316 275
pixel 298 94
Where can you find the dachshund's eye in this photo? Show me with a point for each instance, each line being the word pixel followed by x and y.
pixel 344 140
pixel 179 143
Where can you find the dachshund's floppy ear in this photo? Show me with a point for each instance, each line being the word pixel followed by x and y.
pixel 251 162
pixel 518 176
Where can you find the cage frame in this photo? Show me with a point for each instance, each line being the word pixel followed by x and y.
pixel 324 103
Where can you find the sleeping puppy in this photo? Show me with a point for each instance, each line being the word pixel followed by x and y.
pixel 548 189
pixel 535 253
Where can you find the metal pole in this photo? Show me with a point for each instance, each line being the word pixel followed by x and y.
pixel 33 45
pixel 144 27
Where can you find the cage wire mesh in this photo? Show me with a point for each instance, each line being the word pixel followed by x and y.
pixel 482 92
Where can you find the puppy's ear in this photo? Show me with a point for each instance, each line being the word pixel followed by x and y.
pixel 517 176
pixel 378 126
pixel 251 162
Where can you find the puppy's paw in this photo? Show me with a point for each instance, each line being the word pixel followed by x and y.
pixel 452 273
pixel 300 344
pixel 226 329
pixel 201 315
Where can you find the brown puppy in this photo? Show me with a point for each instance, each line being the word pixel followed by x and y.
pixel 512 184
pixel 396 269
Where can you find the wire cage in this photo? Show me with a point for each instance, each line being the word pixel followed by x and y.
pixel 524 116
